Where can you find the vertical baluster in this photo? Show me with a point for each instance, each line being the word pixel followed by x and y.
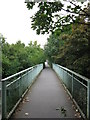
pixel 72 85
pixel 4 104
pixel 88 101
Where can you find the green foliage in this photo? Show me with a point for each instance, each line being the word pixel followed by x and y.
pixel 71 50
pixel 49 16
pixel 17 57
pixel 69 42
pixel 56 42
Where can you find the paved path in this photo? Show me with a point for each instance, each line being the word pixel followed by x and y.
pixel 46 99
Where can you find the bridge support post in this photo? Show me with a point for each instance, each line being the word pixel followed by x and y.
pixel 88 100
pixel 4 108
pixel 72 85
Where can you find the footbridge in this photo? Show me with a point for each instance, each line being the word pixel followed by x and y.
pixel 39 92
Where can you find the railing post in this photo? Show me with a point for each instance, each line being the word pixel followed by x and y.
pixel 88 101
pixel 20 86
pixel 28 80
pixel 72 85
pixel 63 76
pixel 4 106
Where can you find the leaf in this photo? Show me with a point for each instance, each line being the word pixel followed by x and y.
pixel 26 114
pixel 57 108
pixel 69 6
pixel 38 31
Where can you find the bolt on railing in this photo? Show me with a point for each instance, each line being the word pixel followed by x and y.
pixel 14 88
pixel 78 87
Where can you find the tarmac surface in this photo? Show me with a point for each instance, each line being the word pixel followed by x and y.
pixel 47 98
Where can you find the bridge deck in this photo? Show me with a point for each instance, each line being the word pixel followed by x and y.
pixel 45 99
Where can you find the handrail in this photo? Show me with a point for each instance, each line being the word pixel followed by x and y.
pixel 15 87
pixel 78 88
pixel 16 74
pixel 78 75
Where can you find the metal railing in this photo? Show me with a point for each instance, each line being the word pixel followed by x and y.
pixel 0 100
pixel 15 87
pixel 78 87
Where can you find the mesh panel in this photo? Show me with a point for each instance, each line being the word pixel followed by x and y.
pixel 69 82
pixel 76 86
pixel 80 95
pixel 12 95
pixel 16 86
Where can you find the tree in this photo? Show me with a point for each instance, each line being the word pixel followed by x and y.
pixel 17 57
pixel 56 43
pixel 52 47
pixel 72 49
pixel 49 16
pixel 35 53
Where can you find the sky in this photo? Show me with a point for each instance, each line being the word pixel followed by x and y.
pixel 15 23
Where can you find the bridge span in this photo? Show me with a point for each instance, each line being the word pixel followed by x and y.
pixel 45 99
pixel 46 93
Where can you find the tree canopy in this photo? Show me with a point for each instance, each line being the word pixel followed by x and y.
pixel 51 16
pixel 17 57
pixel 68 21
pixel 68 44
pixel 70 49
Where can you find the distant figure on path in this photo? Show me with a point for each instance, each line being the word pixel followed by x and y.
pixel 46 63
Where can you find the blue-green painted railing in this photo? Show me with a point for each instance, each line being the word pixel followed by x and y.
pixel 78 87
pixel 15 87
pixel 0 99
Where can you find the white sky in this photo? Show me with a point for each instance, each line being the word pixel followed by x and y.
pixel 15 23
